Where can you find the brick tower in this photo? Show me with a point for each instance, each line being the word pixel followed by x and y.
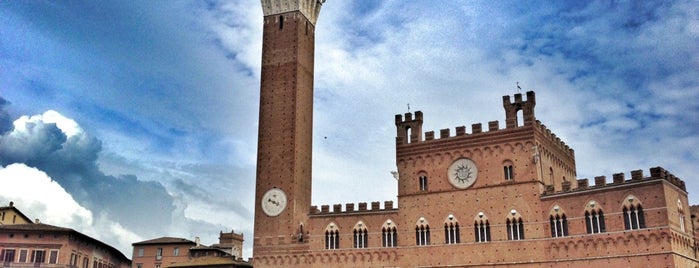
pixel 283 182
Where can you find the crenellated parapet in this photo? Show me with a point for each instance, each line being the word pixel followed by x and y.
pixel 620 179
pixel 309 8
pixel 553 139
pixel 350 208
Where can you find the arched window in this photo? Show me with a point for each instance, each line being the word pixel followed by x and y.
pixel 558 222
pixel 389 235
pixel 332 237
pixel 481 228
pixel 508 170
pixel 594 218
pixel 633 214
pixel 360 235
pixel 422 232
pixel 422 180
pixel 515 226
pixel 451 230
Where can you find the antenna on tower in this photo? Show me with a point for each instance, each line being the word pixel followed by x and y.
pixel 518 88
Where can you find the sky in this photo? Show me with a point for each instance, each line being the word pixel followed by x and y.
pixel 132 120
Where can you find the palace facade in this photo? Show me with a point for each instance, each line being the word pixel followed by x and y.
pixel 480 196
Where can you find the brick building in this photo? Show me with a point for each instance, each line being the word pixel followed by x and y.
pixel 180 252
pixel 34 244
pixel 480 196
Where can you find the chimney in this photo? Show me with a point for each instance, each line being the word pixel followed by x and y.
pixel 37 221
pixel 12 204
pixel 196 240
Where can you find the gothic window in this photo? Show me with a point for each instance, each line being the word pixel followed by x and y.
pixel 633 214
pixel 423 182
pixel 332 237
pixel 481 228
pixel 389 236
pixel 680 212
pixel 558 222
pixel 451 231
pixel 594 218
pixel 360 235
pixel 422 232
pixel 515 226
pixel 508 170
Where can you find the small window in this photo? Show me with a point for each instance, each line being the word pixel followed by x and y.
pixel 159 254
pixel 508 170
pixel 140 252
pixel 23 255
pixel 680 213
pixel 8 255
pixel 281 22
pixel 38 256
pixel 176 252
pixel 53 258
pixel 423 183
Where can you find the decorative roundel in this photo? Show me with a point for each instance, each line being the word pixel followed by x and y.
pixel 273 202
pixel 462 173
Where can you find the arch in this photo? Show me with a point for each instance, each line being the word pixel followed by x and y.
pixel 389 234
pixel 594 218
pixel 632 209
pixel 451 230
pixel 360 235
pixel 558 222
pixel 515 225
pixel 422 232
pixel 481 228
pixel 332 236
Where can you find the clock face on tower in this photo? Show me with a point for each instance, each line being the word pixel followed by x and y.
pixel 462 173
pixel 273 202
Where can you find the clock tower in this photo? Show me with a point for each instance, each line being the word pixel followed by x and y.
pixel 283 179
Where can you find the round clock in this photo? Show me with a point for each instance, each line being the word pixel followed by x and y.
pixel 462 173
pixel 273 202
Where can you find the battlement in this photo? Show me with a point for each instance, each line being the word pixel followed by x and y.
pixel 618 179
pixel 550 136
pixel 309 8
pixel 350 208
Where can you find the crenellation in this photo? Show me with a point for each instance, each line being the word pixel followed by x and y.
pixel 600 181
pixel 619 179
pixel 555 139
pixel 444 133
pixel 429 135
pixel 493 125
pixel 476 128
pixel 350 208
pixel 460 130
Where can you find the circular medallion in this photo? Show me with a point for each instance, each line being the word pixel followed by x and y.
pixel 462 173
pixel 273 202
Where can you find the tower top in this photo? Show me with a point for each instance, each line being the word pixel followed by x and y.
pixel 309 8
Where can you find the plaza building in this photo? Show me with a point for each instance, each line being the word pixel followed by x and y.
pixel 24 243
pixel 495 194
pixel 180 252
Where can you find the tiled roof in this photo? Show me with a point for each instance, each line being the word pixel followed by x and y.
pixel 164 240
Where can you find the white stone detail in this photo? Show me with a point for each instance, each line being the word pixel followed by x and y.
pixel 309 8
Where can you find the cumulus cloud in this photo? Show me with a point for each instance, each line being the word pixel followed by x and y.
pixel 58 146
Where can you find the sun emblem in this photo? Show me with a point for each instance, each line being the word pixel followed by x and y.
pixel 463 173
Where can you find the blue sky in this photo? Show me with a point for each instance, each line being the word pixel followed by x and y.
pixel 129 112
